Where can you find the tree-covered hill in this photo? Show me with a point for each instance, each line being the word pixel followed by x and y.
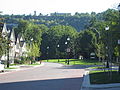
pixel 79 21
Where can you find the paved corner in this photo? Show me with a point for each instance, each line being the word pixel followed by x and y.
pixel 51 76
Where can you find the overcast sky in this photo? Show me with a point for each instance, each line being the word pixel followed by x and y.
pixel 50 6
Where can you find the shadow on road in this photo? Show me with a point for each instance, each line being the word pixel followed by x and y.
pixel 52 84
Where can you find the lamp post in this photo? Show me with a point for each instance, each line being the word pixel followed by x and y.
pixel 57 50
pixel 107 65
pixel 68 49
pixel 47 52
pixel 31 39
pixel 31 45
pixel 30 42
pixel 119 27
pixel 8 61
pixel 8 48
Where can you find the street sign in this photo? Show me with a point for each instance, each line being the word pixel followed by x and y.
pixel 68 49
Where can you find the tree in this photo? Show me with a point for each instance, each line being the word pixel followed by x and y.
pixel 31 31
pixel 100 51
pixel 54 36
pixel 22 26
pixel 85 43
pixel 1 46
pixel 117 53
pixel 34 51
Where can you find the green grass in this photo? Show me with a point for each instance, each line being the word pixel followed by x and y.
pixel 25 64
pixel 101 77
pixel 11 68
pixel 34 64
pixel 14 64
pixel 75 62
pixel 100 67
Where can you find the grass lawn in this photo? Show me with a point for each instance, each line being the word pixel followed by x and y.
pixel 75 61
pixel 11 68
pixel 101 77
pixel 98 67
pixel 34 64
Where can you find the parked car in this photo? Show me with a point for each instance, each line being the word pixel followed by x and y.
pixel 1 67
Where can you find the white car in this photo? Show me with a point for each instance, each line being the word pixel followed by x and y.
pixel 1 67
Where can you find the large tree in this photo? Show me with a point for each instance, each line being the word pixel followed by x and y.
pixel 56 35
pixel 85 43
pixel 33 51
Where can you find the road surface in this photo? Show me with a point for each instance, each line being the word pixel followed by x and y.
pixel 51 76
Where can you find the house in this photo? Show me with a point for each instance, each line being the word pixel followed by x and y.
pixel 17 45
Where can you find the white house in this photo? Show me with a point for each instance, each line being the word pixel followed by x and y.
pixel 17 47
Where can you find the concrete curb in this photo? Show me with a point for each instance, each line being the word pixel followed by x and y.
pixel 19 69
pixel 86 84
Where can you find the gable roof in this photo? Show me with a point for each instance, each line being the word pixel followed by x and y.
pixel 4 30
pixel 12 35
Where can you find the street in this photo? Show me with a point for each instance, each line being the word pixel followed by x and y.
pixel 51 76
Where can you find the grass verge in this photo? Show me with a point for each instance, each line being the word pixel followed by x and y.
pixel 11 68
pixel 34 64
pixel 101 77
pixel 74 61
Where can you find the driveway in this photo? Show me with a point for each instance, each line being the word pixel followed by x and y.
pixel 51 76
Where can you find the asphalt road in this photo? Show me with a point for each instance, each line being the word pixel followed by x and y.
pixel 51 76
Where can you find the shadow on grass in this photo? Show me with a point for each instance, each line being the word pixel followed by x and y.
pixel 51 84
pixel 104 77
pixel 76 66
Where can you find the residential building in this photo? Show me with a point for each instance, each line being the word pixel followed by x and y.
pixel 17 45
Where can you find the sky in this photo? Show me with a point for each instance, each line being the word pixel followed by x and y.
pixel 51 6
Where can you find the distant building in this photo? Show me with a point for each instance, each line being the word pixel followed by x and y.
pixel 35 13
pixel 17 46
pixel 60 14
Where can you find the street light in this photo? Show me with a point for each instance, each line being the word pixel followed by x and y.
pixel 47 52
pixel 31 39
pixel 119 27
pixel 57 53
pixel 68 49
pixel 30 42
pixel 107 65
pixel 8 48
pixel 66 43
pixel 48 47
pixel 31 45
pixel 68 39
pixel 8 60
pixel 107 28
pixel 58 45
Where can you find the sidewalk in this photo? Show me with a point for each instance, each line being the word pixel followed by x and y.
pixel 87 86
pixel 21 67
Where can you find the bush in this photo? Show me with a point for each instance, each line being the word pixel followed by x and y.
pixel 23 60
